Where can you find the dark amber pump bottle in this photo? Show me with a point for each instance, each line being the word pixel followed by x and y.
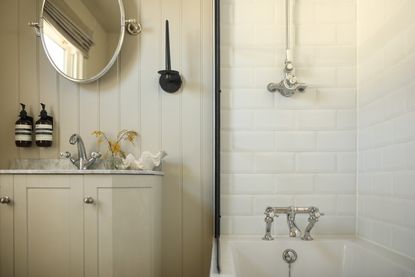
pixel 44 129
pixel 23 129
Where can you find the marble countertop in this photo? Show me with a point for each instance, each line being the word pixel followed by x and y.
pixel 64 167
pixel 78 172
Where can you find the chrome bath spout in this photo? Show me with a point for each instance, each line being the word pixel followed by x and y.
pixel 293 229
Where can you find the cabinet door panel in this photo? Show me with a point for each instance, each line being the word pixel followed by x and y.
pixel 6 227
pixel 124 231
pixel 122 222
pixel 48 226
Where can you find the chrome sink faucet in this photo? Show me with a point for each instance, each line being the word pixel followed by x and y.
pixel 83 162
pixel 291 211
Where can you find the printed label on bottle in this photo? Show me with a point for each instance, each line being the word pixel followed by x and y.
pixel 44 126
pixel 41 137
pixel 23 132
pixel 23 127
pixel 44 132
pixel 23 137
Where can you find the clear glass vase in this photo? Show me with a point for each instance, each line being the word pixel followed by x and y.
pixel 113 162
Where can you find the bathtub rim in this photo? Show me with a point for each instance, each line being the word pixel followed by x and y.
pixel 228 268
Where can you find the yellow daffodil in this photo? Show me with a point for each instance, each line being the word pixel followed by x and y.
pixel 114 146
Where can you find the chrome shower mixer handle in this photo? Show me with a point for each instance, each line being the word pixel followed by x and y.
pixel 289 86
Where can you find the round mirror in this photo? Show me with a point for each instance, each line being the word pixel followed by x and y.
pixel 82 38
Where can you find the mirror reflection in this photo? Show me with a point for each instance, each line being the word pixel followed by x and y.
pixel 82 37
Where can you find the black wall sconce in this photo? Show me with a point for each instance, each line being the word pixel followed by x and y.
pixel 170 80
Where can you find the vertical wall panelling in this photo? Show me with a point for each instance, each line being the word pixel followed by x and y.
pixel 109 102
pixel 207 91
pixel 151 59
pixel 9 78
pixel 47 92
pixel 130 79
pixel 207 136
pixel 48 96
pixel 69 112
pixel 28 58
pixel 191 60
pixel 89 113
pixel 129 97
pixel 172 142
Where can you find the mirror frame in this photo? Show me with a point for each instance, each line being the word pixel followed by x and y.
pixel 109 64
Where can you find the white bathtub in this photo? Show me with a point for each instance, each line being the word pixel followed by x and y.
pixel 323 257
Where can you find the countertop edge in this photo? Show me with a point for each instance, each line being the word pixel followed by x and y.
pixel 78 172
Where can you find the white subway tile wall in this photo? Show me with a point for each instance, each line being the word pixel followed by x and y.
pixel 386 74
pixel 279 151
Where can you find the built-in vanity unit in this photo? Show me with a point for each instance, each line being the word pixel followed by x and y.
pixel 80 223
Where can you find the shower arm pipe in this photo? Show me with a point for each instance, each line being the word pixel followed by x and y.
pixel 289 85
pixel 289 10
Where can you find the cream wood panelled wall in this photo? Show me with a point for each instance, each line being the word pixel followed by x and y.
pixel 129 97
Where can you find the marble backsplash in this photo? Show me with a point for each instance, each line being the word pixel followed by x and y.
pixel 41 164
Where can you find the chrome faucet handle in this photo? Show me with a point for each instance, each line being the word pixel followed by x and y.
pixel 269 219
pixel 289 85
pixel 315 214
pixel 96 155
pixel 292 80
pixel 269 211
pixel 288 66
pixel 68 155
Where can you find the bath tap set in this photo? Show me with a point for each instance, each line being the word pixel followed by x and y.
pixel 291 212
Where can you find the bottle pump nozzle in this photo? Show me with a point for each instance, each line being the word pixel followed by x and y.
pixel 43 112
pixel 23 112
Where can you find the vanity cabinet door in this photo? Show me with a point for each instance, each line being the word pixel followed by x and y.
pixel 48 226
pixel 6 226
pixel 122 226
